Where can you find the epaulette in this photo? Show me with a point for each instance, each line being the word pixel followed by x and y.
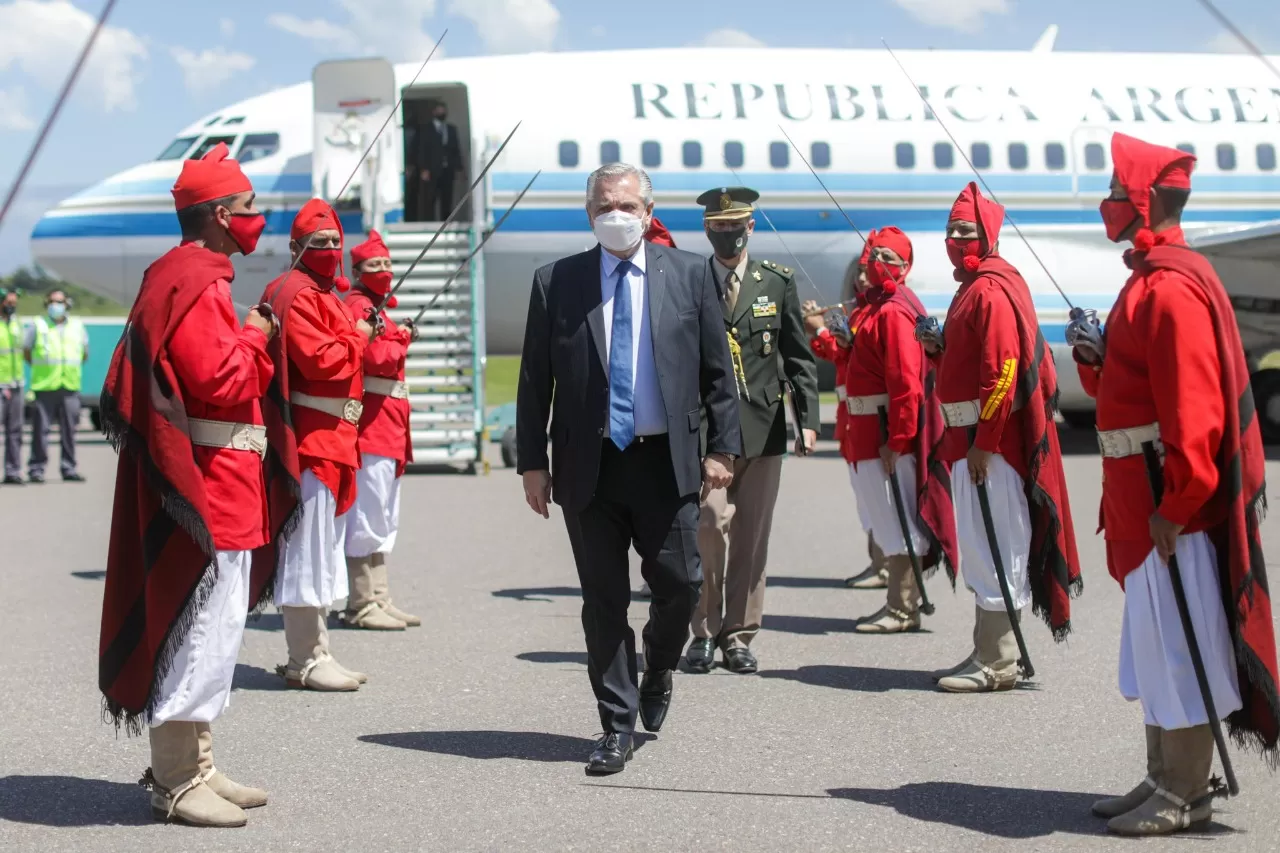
pixel 785 272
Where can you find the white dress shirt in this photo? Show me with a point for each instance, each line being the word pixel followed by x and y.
pixel 650 412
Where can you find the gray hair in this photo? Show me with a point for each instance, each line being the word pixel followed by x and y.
pixel 614 171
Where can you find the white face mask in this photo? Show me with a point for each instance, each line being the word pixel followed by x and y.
pixel 618 231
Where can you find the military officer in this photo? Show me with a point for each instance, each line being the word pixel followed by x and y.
pixel 768 344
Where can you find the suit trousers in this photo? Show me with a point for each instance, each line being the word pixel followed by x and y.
pixel 11 398
pixel 65 407
pixel 636 504
pixel 436 196
pixel 733 539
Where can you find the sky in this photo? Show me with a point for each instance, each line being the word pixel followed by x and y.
pixel 162 63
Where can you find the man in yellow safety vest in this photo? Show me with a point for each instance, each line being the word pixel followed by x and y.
pixel 11 386
pixel 55 347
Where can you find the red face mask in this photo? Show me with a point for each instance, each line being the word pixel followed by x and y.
pixel 1118 214
pixel 245 229
pixel 378 282
pixel 884 275
pixel 322 262
pixel 964 254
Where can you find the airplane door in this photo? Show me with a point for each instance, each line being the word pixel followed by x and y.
pixel 352 100
pixel 1090 161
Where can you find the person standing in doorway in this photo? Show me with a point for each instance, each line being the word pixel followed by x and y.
pixel 11 386
pixel 440 157
pixel 56 347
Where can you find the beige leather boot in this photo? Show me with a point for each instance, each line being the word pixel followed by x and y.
pixel 995 667
pixel 324 645
pixel 939 674
pixel 1116 806
pixel 901 612
pixel 362 604
pixel 241 795
pixel 310 667
pixel 876 575
pixel 178 789
pixel 383 596
pixel 1182 801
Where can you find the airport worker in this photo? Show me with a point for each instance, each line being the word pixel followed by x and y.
pixel 384 444
pixel 768 344
pixel 624 347
pixel 181 405
pixel 893 422
pixel 998 387
pixel 319 362
pixel 56 346
pixel 11 379
pixel 1175 413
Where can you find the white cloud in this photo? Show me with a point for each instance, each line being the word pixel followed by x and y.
pixel 729 38
pixel 227 27
pixel 13 110
pixel 511 26
pixel 207 70
pixel 42 37
pixel 961 15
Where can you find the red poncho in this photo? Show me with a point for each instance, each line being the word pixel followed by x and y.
pixel 659 234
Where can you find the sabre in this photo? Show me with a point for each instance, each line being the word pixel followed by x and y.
pixel 985 186
pixel 794 257
pixel 822 183
pixel 825 308
pixel 1235 31
pixel 1024 659
pixel 926 606
pixel 443 225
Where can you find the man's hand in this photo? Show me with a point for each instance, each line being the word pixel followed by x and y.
pixel 889 459
pixel 537 492
pixel 805 442
pixel 365 328
pixel 1164 534
pixel 426 174
pixel 717 473
pixel 929 334
pixel 1084 335
pixel 264 324
pixel 979 462
pixel 813 322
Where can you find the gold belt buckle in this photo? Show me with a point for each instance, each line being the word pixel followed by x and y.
pixel 352 410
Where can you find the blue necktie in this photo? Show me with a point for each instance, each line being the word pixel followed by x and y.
pixel 622 422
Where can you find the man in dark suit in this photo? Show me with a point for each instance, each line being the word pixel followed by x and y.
pixel 628 341
pixel 440 157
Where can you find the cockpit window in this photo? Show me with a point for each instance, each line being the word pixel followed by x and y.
pixel 209 143
pixel 211 122
pixel 177 148
pixel 236 120
pixel 257 146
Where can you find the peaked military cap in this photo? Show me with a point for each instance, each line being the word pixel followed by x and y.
pixel 728 202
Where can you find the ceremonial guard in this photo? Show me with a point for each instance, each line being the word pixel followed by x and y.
pixel 181 405
pixel 998 388
pixel 1182 498
pixel 385 446
pixel 319 361
pixel 768 346
pixel 893 421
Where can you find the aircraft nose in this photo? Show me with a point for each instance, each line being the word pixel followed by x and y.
pixel 83 239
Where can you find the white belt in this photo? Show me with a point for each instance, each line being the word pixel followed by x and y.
pixel 386 387
pixel 1119 443
pixel 340 407
pixel 963 414
pixel 228 435
pixel 866 405
pixel 842 393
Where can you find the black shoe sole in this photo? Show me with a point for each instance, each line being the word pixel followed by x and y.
pixel 597 770
pixel 700 668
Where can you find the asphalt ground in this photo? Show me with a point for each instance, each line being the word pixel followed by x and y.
pixel 473 730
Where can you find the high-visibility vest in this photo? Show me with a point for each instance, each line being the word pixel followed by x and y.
pixel 11 351
pixel 57 355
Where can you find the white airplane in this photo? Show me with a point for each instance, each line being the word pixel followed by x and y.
pixel 1035 123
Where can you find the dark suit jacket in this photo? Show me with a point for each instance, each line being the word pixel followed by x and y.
pixel 563 372
pixel 436 154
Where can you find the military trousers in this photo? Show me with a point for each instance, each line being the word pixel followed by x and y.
pixel 733 539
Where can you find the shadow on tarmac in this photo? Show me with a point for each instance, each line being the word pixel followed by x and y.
pixel 554 657
pixel 524 746
pixel 547 593
pixel 861 679
pixel 804 583
pixel 69 801
pixel 255 678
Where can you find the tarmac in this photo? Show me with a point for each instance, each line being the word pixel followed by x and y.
pixel 473 730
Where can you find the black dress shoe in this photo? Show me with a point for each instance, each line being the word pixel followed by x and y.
pixel 73 477
pixel 655 698
pixel 701 654
pixel 740 660
pixel 611 754
pixel 14 480
pixel 35 478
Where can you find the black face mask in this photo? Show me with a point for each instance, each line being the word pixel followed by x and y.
pixel 8 309
pixel 728 244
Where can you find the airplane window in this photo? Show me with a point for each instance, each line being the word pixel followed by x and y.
pixel 651 154
pixel 820 155
pixel 1186 147
pixel 1267 157
pixel 236 120
pixel 905 154
pixel 779 155
pixel 209 143
pixel 733 156
pixel 213 121
pixel 177 148
pixel 257 146
pixel 610 152
pixel 1017 155
pixel 944 156
pixel 1094 157
pixel 1226 156
pixel 692 154
pixel 1055 156
pixel 980 153
pixel 568 154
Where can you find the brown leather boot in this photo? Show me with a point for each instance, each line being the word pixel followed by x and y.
pixel 382 594
pixel 1116 806
pixel 876 574
pixel 1182 801
pixel 241 795
pixel 939 674
pixel 362 603
pixel 178 789
pixel 901 612
pixel 310 666
pixel 995 667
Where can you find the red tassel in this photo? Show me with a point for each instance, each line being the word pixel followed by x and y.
pixel 889 287
pixel 1144 240
pixel 392 302
pixel 971 263
pixel 342 284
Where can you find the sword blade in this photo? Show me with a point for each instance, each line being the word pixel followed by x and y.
pixel 821 182
pixel 984 502
pixel 926 606
pixel 795 259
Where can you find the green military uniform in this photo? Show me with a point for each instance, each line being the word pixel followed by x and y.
pixel 768 345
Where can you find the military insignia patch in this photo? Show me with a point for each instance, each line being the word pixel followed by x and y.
pixel 725 201
pixel 768 309
pixel 756 275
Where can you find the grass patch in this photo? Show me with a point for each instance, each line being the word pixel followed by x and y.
pixel 501 376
